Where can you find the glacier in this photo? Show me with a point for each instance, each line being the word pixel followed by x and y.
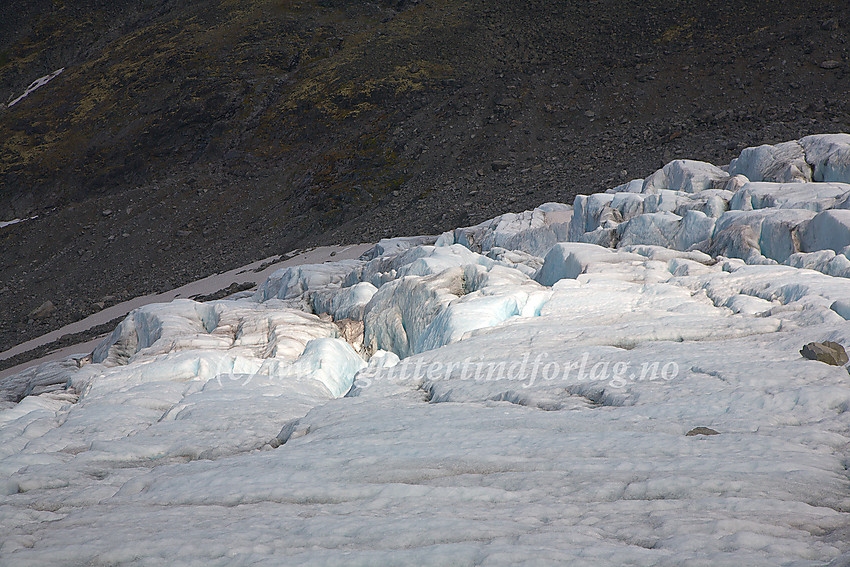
pixel 524 391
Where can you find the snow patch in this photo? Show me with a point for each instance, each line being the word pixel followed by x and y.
pixel 37 84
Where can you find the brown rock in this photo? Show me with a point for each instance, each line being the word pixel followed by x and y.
pixel 828 352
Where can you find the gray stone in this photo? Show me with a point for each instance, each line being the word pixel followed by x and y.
pixel 46 309
pixel 701 431
pixel 830 24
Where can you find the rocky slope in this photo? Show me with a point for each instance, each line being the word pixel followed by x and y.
pixel 186 138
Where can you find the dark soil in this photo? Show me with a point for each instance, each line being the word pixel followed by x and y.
pixel 186 138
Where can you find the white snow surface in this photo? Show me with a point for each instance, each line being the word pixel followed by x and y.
pixel 4 224
pixel 521 397
pixel 37 84
pixel 10 222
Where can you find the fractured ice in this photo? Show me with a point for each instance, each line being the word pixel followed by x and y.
pixel 515 392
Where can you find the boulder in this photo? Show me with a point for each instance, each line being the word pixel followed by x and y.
pixel 46 309
pixel 701 431
pixel 828 352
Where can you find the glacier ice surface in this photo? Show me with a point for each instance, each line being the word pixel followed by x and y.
pixel 510 393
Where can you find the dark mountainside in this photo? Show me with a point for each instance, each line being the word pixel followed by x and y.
pixel 185 138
